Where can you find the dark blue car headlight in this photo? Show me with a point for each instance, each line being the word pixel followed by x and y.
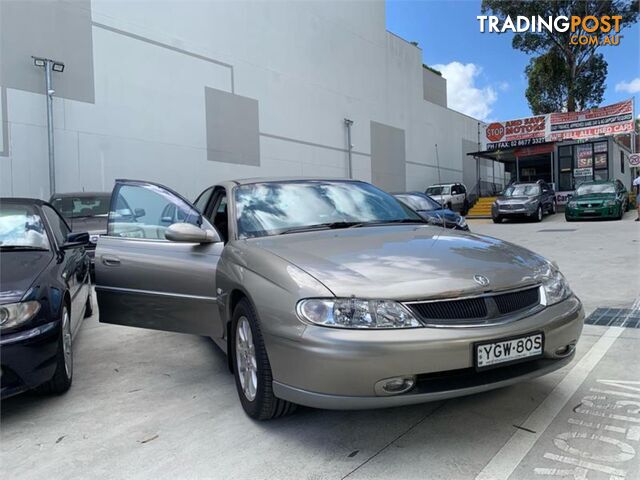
pixel 14 314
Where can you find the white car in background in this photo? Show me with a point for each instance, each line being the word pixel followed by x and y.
pixel 450 195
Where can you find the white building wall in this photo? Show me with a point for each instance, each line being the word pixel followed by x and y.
pixel 308 64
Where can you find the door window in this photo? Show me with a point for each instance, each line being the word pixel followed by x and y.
pixel 58 225
pixel 203 199
pixel 219 215
pixel 146 211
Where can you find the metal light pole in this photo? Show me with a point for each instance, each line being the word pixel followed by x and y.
pixel 49 67
pixel 348 124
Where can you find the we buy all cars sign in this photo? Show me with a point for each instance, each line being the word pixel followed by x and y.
pixel 523 132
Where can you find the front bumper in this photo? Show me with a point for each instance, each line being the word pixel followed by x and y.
pixel 600 211
pixel 513 213
pixel 337 369
pixel 28 358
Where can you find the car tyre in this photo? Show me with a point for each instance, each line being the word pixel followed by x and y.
pixel 252 371
pixel 88 307
pixel 465 207
pixel 497 219
pixel 63 376
pixel 539 214
pixel 554 208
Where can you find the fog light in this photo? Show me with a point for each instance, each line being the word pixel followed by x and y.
pixel 395 385
pixel 565 350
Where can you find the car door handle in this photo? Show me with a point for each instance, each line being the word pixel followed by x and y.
pixel 110 260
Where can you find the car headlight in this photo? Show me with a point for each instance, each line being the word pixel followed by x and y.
pixel 461 222
pixel 13 314
pixel 356 313
pixel 572 204
pixel 555 288
pixel 94 239
pixel 609 203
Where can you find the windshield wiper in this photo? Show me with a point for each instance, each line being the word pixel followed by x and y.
pixel 397 220
pixel 15 248
pixel 322 226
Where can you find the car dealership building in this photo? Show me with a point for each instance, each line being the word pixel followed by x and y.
pixel 189 94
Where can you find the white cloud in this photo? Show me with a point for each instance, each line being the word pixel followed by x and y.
pixel 630 87
pixel 462 92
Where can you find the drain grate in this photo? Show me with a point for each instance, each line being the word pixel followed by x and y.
pixel 558 230
pixel 615 317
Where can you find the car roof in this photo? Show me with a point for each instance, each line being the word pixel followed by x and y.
pixel 248 181
pixel 444 184
pixel 23 200
pixel 81 194
pixel 421 194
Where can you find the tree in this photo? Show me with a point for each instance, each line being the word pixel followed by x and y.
pixel 562 76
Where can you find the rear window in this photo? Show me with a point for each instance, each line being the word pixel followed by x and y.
pixel 82 206
pixel 22 226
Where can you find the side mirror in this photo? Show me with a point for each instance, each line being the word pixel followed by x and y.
pixel 139 212
pixel 189 233
pixel 76 240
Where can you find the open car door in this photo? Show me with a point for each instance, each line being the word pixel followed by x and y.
pixel 156 266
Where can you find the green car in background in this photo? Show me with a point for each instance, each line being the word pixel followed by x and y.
pixel 598 199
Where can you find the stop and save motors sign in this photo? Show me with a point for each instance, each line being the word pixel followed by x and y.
pixel 524 132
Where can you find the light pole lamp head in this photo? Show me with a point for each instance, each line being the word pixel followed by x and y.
pixel 348 122
pixel 56 65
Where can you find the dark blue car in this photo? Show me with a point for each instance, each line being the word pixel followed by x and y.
pixel 45 292
pixel 432 211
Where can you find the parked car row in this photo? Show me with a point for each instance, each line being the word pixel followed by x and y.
pixel 325 293
pixel 532 200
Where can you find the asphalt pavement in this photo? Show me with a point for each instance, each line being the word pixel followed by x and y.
pixel 147 404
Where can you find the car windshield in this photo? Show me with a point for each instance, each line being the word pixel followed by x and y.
pixel 522 191
pixel 82 206
pixel 438 190
pixel 589 188
pixel 418 202
pixel 273 208
pixel 21 228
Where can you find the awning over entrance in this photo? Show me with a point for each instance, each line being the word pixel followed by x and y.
pixel 529 163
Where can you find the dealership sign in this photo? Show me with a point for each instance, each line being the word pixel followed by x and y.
pixel 634 159
pixel 523 132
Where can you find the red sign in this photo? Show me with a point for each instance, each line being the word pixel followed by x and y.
pixel 610 120
pixel 495 132
pixel 521 132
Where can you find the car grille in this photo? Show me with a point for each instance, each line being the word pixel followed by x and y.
pixel 590 204
pixel 512 206
pixel 477 310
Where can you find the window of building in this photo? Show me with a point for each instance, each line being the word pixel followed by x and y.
pixel 621 162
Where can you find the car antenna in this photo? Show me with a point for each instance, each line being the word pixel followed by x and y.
pixel 439 182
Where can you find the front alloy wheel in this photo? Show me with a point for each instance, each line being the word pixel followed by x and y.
pixel 246 359
pixel 539 214
pixel 63 376
pixel 252 370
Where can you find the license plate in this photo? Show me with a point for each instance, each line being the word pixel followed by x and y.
pixel 589 210
pixel 512 350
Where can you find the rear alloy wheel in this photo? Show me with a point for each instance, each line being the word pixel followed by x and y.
pixel 252 370
pixel 539 214
pixel 554 207
pixel 63 376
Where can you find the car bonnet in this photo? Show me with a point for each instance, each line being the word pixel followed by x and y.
pixel 406 262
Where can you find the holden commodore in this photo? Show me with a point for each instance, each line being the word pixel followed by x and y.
pixel 332 293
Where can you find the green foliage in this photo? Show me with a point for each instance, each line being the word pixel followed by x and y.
pixel 562 76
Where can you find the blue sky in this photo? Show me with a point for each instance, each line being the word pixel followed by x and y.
pixel 485 72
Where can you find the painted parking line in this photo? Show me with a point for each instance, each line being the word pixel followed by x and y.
pixel 513 452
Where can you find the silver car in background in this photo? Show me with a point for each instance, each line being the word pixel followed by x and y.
pixel 333 294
